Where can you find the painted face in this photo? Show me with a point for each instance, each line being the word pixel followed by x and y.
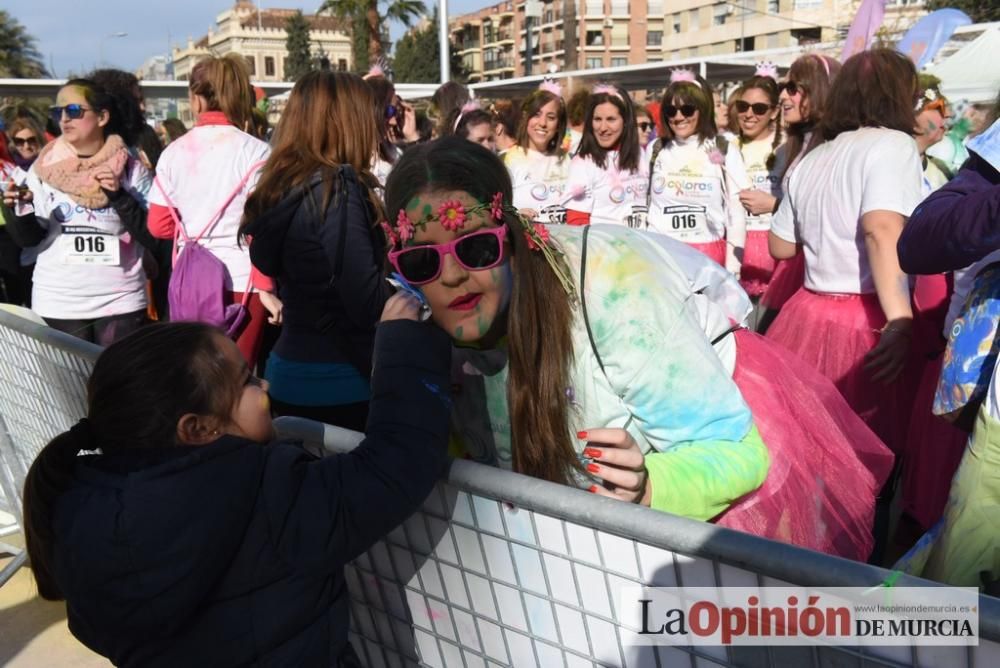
pixel 251 416
pixel 86 129
pixel 930 125
pixel 793 107
pixel 608 125
pixel 26 143
pixel 468 304
pixel 482 134
pixel 644 124
pixel 721 111
pixel 542 126
pixel 752 125
pixel 684 126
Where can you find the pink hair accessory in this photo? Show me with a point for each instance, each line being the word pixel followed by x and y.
pixel 683 75
pixel 767 69
pixel 826 65
pixel 375 71
pixel 471 105
pixel 551 86
pixel 606 89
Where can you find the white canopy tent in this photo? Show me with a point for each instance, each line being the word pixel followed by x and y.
pixel 973 72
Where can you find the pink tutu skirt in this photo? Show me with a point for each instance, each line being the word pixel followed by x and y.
pixel 788 277
pixel 758 265
pixel 713 249
pixel 832 334
pixel 826 465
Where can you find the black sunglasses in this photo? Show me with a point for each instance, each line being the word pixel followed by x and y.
pixel 644 125
pixel 25 141
pixel 759 108
pixel 791 87
pixel 72 111
pixel 687 110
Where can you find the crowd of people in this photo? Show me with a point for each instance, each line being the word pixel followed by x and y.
pixel 757 309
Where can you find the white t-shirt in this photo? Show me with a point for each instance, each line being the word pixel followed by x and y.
pixel 688 191
pixel 199 170
pixel 752 173
pixel 87 266
pixel 609 195
pixel 860 171
pixel 539 182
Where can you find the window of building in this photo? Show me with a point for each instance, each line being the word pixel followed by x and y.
pixel 745 44
pixel 594 63
pixel 694 22
pixel 269 66
pixel 549 17
pixel 773 6
pixel 719 14
pixel 595 38
pixel 654 8
pixel 654 38
pixel 341 65
pixel 594 7
pixel 807 4
pixel 619 61
pixel 619 34
pixel 677 24
pixel 619 7
pixel 252 64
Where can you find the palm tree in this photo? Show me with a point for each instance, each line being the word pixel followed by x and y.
pixel 403 11
pixel 19 59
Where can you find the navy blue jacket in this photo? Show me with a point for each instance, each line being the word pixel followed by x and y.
pixel 232 554
pixel 957 225
pixel 330 270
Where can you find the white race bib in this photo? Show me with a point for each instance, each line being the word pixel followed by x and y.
pixel 685 221
pixel 761 223
pixel 87 246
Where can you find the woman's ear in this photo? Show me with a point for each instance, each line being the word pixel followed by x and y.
pixel 103 118
pixel 197 429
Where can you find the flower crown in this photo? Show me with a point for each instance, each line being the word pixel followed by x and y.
pixel 452 214
pixel 767 69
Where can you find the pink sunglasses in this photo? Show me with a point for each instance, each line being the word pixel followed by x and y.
pixel 419 265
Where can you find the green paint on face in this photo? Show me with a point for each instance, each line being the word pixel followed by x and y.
pixel 428 210
pixel 932 126
pixel 458 334
pixel 482 326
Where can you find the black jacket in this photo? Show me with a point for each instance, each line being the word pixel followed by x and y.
pixel 232 554
pixel 330 270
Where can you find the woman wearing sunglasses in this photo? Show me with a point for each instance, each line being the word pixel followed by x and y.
pixel 83 206
pixel 802 99
pixel 845 206
pixel 646 127
pixel 607 177
pixel 757 180
pixel 196 173
pixel 598 388
pixel 26 142
pixel 312 220
pixel 538 165
pixel 689 180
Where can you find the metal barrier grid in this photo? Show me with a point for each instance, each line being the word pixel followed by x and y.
pixel 498 569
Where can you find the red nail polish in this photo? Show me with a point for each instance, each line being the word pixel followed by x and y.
pixel 593 453
pixel 581 435
pixel 593 489
pixel 593 468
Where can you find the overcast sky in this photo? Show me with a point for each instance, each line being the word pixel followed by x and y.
pixel 72 34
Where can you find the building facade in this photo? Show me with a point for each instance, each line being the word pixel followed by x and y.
pixel 158 68
pixel 260 38
pixel 589 34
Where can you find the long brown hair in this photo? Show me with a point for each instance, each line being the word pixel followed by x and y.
pixel 326 123
pixel 140 388
pixel 769 87
pixel 814 73
pixel 690 92
pixel 540 345
pixel 629 152
pixel 225 84
pixel 876 88
pixel 531 106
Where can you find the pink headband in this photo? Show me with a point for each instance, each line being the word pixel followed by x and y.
pixel 551 86
pixel 826 65
pixel 606 89
pixel 471 105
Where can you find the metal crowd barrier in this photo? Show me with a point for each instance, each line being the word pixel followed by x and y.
pixel 498 569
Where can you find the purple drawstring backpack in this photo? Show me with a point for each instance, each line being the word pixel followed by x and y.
pixel 198 282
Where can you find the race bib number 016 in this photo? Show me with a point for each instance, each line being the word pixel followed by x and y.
pixel 87 246
pixel 685 219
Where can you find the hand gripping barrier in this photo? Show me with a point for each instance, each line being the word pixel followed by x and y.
pixel 497 569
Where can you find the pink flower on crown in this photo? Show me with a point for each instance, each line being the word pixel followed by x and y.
pixel 390 234
pixel 404 225
pixel 452 215
pixel 496 207
pixel 716 157
pixel 541 232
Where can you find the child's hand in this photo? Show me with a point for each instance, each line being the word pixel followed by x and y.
pixel 618 461
pixel 401 306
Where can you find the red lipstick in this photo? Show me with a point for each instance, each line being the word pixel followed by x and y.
pixel 466 302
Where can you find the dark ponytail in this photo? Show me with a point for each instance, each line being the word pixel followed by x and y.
pixel 140 388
